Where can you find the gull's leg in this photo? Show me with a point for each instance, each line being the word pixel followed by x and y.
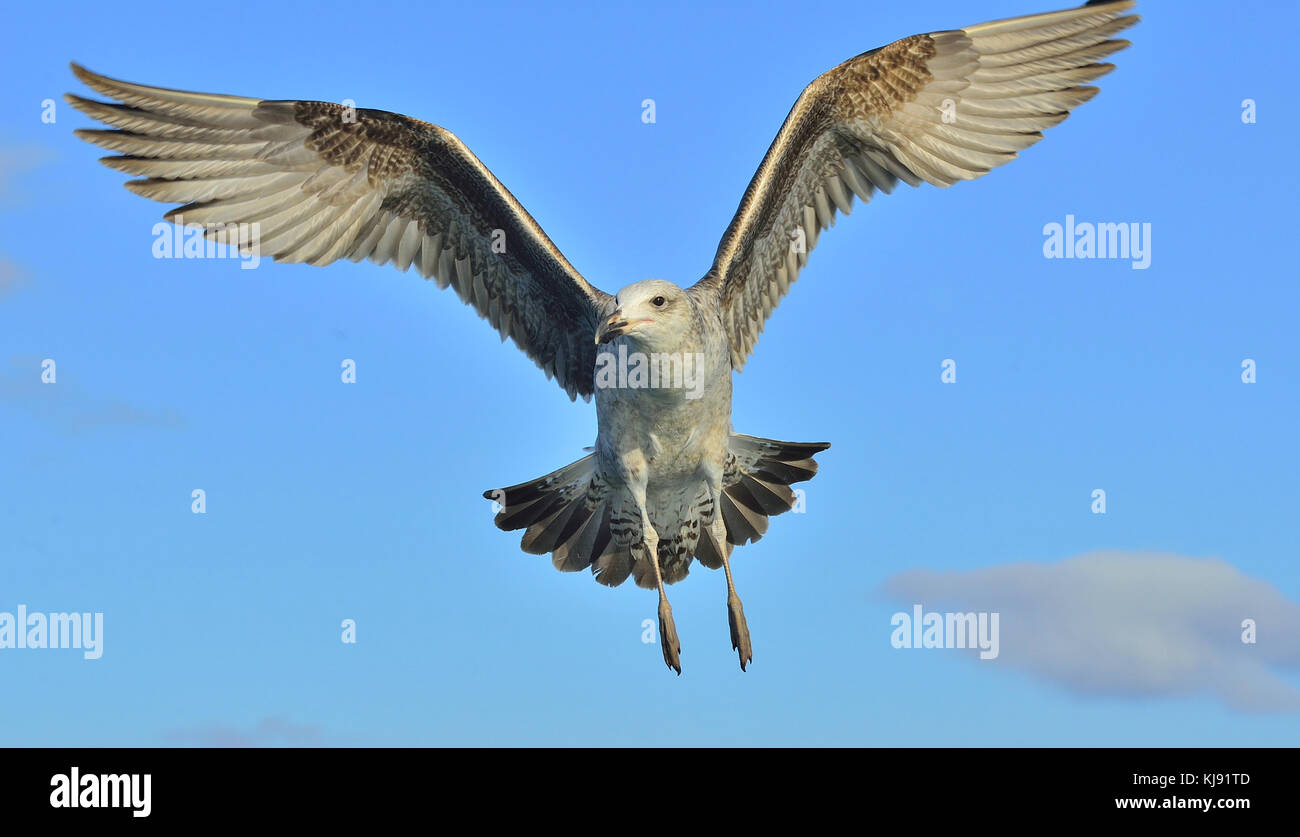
pixel 713 474
pixel 672 646
pixel 668 641
pixel 735 611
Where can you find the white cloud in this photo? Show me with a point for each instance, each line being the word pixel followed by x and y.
pixel 272 731
pixel 67 405
pixel 1133 624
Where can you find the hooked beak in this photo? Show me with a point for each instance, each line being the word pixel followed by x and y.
pixel 615 326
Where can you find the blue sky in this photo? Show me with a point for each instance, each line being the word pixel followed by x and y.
pixel 328 502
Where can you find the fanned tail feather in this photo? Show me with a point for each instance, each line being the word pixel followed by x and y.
pixel 573 514
pixel 566 514
pixel 755 486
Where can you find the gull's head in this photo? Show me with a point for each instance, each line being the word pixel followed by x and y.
pixel 653 313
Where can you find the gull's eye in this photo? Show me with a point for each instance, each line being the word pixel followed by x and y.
pixel 658 302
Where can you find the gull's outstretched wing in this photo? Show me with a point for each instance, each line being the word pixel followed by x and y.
pixel 325 182
pixel 937 108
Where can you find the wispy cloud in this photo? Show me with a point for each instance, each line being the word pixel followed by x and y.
pixel 275 731
pixel 67 405
pixel 14 162
pixel 1132 624
pixel 11 277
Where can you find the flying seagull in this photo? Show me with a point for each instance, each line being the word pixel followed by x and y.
pixel 667 482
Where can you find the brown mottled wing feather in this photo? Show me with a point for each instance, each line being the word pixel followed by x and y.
pixel 937 108
pixel 325 182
